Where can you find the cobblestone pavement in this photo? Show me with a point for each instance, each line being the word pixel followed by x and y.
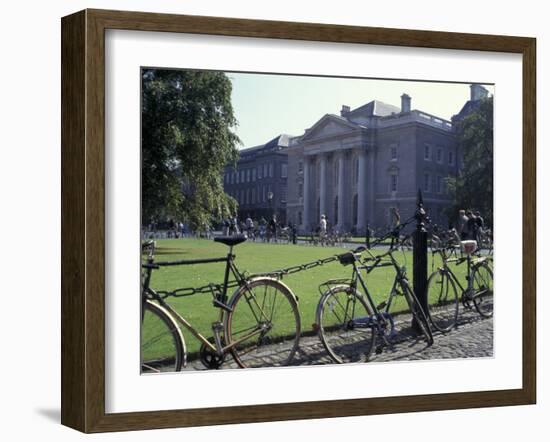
pixel 473 337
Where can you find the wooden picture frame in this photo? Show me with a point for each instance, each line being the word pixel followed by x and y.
pixel 83 219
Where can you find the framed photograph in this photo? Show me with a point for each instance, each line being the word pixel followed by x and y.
pixel 267 221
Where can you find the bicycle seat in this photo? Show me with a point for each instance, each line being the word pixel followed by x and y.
pixel 347 258
pixel 231 240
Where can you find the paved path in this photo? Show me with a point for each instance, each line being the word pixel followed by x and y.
pixel 473 337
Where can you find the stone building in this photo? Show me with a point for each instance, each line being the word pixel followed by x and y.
pixel 259 182
pixel 358 166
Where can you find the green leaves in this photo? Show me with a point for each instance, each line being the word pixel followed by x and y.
pixel 473 188
pixel 187 139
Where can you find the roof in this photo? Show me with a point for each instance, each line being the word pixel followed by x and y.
pixel 375 108
pixel 280 141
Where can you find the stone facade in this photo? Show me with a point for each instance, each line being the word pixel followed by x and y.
pixel 356 167
pixel 261 172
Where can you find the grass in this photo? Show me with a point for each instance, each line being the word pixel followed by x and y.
pixel 256 258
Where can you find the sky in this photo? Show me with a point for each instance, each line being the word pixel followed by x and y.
pixel 267 105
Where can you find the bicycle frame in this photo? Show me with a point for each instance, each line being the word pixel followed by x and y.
pixel 382 317
pixel 220 300
pixel 445 267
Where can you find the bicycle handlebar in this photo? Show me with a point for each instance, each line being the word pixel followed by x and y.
pixel 394 233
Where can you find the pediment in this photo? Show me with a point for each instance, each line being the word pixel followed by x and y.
pixel 329 125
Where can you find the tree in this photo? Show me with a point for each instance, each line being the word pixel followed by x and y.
pixel 473 187
pixel 187 140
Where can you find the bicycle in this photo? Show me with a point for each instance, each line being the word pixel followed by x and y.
pixel 262 311
pixel 349 322
pixel 442 286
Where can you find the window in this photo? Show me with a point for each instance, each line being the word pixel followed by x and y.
pixel 439 184
pixel 263 194
pixel 393 183
pixel 260 172
pixel 439 155
pixel 300 190
pixel 426 182
pixel 253 196
pixel 247 175
pixel 282 193
pixel 236 177
pixel 451 158
pixel 284 170
pixel 300 167
pixel 427 152
pixel 265 171
pixel 393 152
pixel 253 174
pixel 242 176
pixel 270 170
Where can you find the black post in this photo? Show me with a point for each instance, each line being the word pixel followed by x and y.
pixel 367 237
pixel 420 255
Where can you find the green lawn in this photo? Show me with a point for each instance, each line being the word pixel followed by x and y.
pixel 258 257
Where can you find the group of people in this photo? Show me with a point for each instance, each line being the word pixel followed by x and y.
pixel 469 225
pixel 263 230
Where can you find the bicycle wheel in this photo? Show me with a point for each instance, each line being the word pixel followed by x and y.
pixel 162 344
pixel 442 301
pixel 263 327
pixel 343 341
pixel 482 281
pixel 418 314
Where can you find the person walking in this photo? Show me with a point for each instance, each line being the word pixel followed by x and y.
pixel 233 226
pixel 323 228
pixel 480 222
pixel 461 224
pixel 249 226
pixel 471 226
pixel 395 218
pixel 272 228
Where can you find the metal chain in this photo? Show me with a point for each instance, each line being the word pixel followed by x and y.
pixel 213 288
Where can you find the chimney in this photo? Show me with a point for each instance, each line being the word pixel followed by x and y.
pixel 345 111
pixel 405 103
pixel 477 92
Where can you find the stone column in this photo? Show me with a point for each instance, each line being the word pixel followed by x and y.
pixel 306 197
pixel 362 193
pixel 341 191
pixel 322 186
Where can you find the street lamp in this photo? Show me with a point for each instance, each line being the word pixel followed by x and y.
pixel 271 223
pixel 269 199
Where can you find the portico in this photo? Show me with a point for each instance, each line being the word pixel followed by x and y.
pixel 330 184
pixel 356 167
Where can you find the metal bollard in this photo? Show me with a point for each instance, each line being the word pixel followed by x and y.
pixel 420 256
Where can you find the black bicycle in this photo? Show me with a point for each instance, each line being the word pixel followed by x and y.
pixel 442 292
pixel 261 315
pixel 349 322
